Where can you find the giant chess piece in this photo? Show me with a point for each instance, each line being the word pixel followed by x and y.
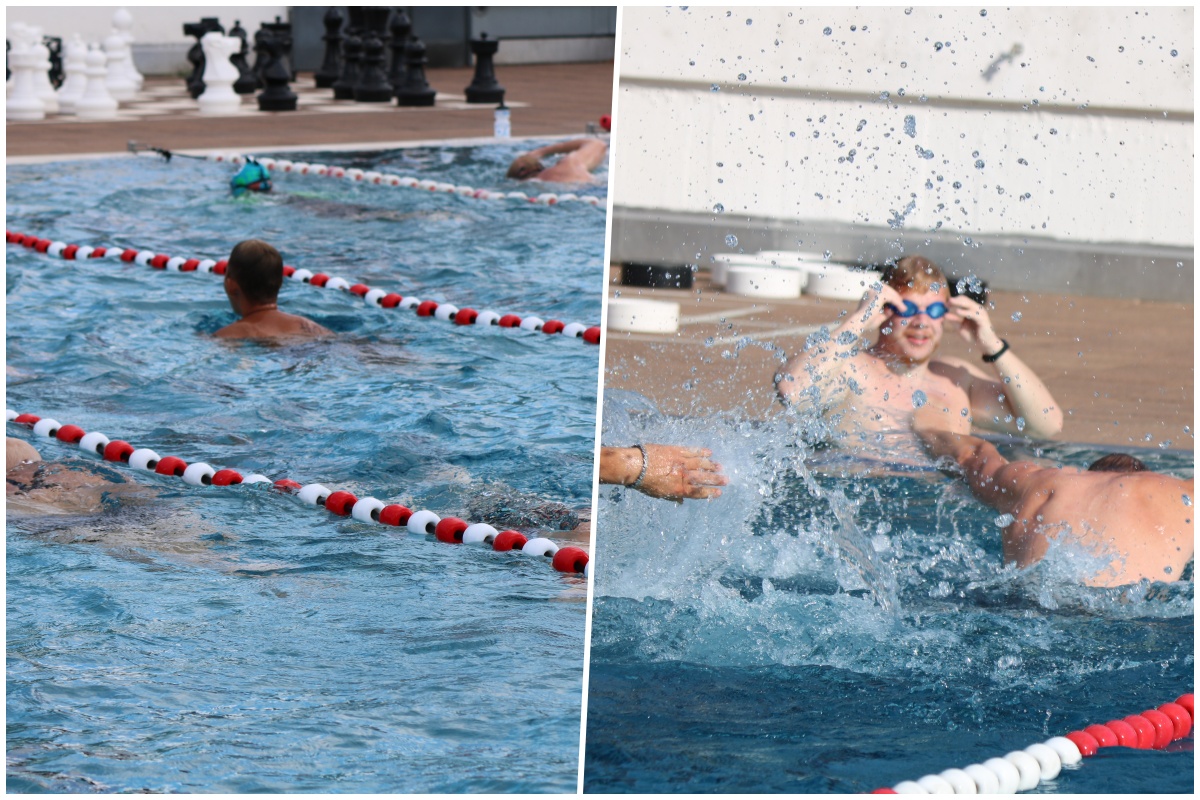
pixel 122 23
pixel 343 87
pixel 118 82
pixel 416 90
pixel 54 46
pixel 331 65
pixel 282 31
pixel 75 69
pixel 24 104
pixel 195 56
pixel 41 67
pixel 484 88
pixel 277 96
pixel 96 102
pixel 372 85
pixel 219 75
pixel 401 30
pixel 247 82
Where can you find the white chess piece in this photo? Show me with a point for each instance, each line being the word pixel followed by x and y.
pixel 219 74
pixel 75 70
pixel 117 80
pixel 96 102
pixel 123 24
pixel 40 64
pixel 24 103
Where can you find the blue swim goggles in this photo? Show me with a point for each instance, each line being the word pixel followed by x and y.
pixel 934 310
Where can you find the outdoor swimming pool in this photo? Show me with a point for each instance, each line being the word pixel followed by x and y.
pixel 814 630
pixel 233 639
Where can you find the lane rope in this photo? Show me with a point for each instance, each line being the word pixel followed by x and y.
pixel 1023 770
pixel 283 166
pixel 451 530
pixel 446 312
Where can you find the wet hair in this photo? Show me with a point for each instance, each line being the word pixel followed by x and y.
pixel 524 166
pixel 914 274
pixel 1117 462
pixel 257 269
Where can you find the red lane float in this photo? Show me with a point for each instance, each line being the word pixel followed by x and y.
pixel 1023 770
pixel 342 503
pixel 426 308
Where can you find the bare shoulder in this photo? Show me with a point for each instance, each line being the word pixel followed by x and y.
pixel 956 369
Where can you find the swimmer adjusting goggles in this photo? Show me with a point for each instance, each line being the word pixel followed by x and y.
pixel 934 310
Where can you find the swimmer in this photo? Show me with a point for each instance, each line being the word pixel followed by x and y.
pixel 36 487
pixel 252 281
pixel 668 472
pixel 252 177
pixel 876 388
pixel 1116 505
pixel 581 156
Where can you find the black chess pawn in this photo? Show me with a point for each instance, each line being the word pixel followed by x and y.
pixel 195 55
pixel 54 45
pixel 277 96
pixel 372 85
pixel 401 29
pixel 415 91
pixel 484 88
pixel 343 87
pixel 331 66
pixel 247 82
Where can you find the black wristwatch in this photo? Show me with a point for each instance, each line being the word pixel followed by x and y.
pixel 1003 349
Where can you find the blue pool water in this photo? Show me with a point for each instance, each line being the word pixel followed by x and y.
pixel 819 630
pixel 234 640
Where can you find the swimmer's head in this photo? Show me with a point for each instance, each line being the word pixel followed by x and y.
pixel 525 167
pixel 253 275
pixel 1117 462
pixel 252 177
pixel 915 275
pixel 18 452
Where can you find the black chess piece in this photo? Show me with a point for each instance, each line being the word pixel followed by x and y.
pixel 484 88
pixel 277 96
pixel 282 31
pixel 331 66
pixel 195 56
pixel 415 91
pixel 343 87
pixel 372 85
pixel 247 82
pixel 401 29
pixel 54 45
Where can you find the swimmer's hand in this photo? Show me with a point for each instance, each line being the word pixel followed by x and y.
pixel 975 326
pixel 870 309
pixel 678 473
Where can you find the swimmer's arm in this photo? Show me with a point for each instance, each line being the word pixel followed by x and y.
pixel 562 147
pixel 1019 393
pixel 993 479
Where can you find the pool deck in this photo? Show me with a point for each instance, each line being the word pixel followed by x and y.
pixel 1122 369
pixel 547 100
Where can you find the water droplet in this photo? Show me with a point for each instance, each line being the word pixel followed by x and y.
pixel 715 88
pixel 741 76
pixel 828 254
pixel 1054 131
pixel 862 123
pixel 910 126
pixel 1174 53
pixel 1004 520
pixel 1020 423
pixel 937 45
pixel 1016 317
pixel 828 31
pixel 1121 49
pixel 903 65
pixel 957 185
pixel 1187 501
pixel 792 134
pixel 983 12
pixel 979 163
pixel 919 399
pixel 907 11
pixel 885 96
pixel 749 21
pixel 1089 58
pixel 720 209
pixel 731 240
pixel 692 63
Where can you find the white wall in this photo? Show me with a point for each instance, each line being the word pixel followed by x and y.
pixel 151 24
pixel 1106 153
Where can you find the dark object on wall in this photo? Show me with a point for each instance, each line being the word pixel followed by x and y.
pixel 277 96
pixel 247 82
pixel 372 85
pixel 656 276
pixel 331 66
pixel 54 45
pixel 401 31
pixel 415 91
pixel 195 56
pixel 484 88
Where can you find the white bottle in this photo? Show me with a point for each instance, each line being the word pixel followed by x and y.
pixel 502 126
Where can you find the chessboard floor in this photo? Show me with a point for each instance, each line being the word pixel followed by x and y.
pixel 546 100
